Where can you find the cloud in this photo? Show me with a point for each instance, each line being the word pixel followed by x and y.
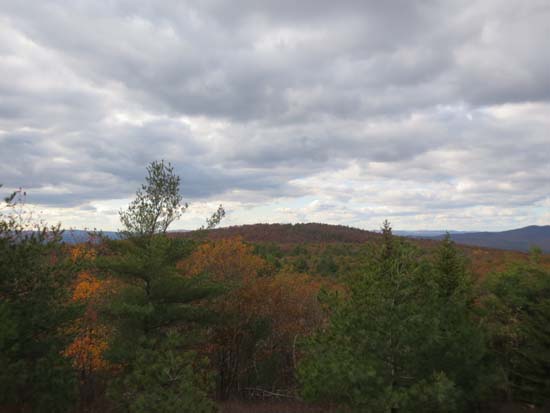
pixel 428 112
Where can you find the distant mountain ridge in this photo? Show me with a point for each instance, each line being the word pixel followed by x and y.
pixel 76 236
pixel 521 239
pixel 423 233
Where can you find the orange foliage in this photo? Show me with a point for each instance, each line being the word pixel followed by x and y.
pixel 290 302
pixel 87 349
pixel 87 286
pixel 90 343
pixel 287 301
pixel 82 252
pixel 224 260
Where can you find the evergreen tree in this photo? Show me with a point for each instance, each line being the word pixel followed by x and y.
pixel 300 264
pixel 158 202
pixel 35 313
pixel 451 274
pixel 151 296
pixel 403 339
pixel 375 354
pixel 460 349
pixel 517 304
pixel 326 265
pixel 168 379
pixel 153 303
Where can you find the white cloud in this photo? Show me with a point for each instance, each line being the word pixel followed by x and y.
pixel 435 115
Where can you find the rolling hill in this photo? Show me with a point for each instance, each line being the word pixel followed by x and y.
pixel 521 239
pixel 317 237
pixel 289 233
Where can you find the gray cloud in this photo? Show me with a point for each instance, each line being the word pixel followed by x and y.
pixel 254 101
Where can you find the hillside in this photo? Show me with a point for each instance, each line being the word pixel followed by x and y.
pixel 486 251
pixel 521 239
pixel 347 241
pixel 290 233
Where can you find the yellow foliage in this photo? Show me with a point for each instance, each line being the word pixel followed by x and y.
pixel 87 286
pixel 224 260
pixel 91 337
pixel 82 252
pixel 87 349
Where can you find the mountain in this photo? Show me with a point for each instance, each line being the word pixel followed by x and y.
pixel 427 233
pixel 521 239
pixel 75 236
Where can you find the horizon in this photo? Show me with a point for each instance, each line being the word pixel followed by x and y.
pixel 429 115
pixel 395 230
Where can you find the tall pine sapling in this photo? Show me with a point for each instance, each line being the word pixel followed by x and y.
pixel 153 302
pixel 158 202
pixel 460 349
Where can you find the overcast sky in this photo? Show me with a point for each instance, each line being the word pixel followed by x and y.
pixel 433 114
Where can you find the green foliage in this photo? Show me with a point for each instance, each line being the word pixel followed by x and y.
pixel 461 341
pixel 535 254
pixel 327 266
pixel 300 264
pixel 450 271
pixel 152 296
pixel 385 346
pixel 165 378
pixel 273 255
pixel 35 313
pixel 151 299
pixel 517 302
pixel 151 304
pixel 300 250
pixel 158 203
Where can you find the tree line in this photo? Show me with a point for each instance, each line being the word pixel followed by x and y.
pixel 153 323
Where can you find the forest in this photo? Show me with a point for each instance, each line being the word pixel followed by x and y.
pixel 315 318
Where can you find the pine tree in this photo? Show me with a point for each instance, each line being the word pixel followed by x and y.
pixel 151 295
pixel 460 349
pixel 517 305
pixel 153 302
pixel 35 313
pixel 326 265
pixel 375 353
pixel 168 379
pixel 158 202
pixel 451 274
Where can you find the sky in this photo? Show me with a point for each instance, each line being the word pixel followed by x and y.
pixel 432 114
